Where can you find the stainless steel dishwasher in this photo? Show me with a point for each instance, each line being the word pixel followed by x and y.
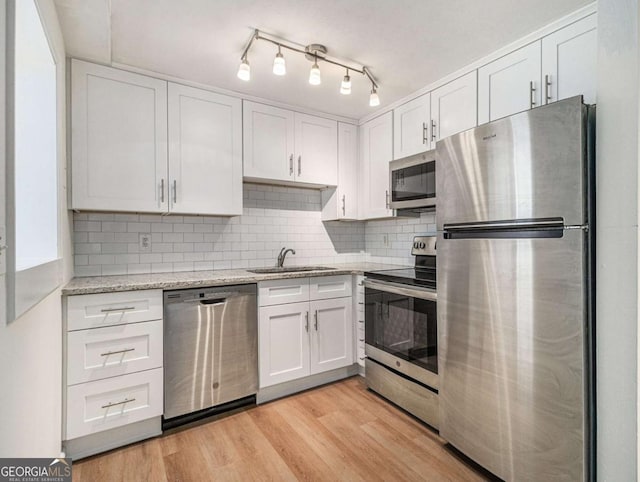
pixel 210 351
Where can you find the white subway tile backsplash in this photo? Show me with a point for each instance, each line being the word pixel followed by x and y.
pixel 273 217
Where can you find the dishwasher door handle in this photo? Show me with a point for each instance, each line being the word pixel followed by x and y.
pixel 208 301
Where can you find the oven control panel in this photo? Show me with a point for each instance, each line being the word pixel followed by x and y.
pixel 424 246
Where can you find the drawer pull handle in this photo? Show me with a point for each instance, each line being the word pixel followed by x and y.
pixel 361 302
pixel 360 339
pixel 111 310
pixel 126 400
pixel 360 321
pixel 362 358
pixel 117 352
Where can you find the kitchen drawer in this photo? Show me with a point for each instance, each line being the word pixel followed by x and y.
pixel 326 287
pixel 96 406
pixel 283 291
pixel 106 309
pixel 113 350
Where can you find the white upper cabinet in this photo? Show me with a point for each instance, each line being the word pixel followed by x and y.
pixel 281 145
pixel 342 202
pixel 118 139
pixel 569 61
pixel 205 152
pixel 376 151
pixel 510 84
pixel 412 127
pixel 268 142
pixel 316 149
pixel 454 107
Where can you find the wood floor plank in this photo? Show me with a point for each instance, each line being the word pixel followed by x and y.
pixel 339 431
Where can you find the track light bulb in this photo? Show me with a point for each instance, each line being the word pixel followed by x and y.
pixel 345 87
pixel 314 75
pixel 374 100
pixel 244 71
pixel 279 66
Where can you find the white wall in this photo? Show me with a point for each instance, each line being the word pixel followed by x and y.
pixel 617 240
pixel 31 346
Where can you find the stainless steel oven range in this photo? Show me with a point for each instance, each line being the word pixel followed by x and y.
pixel 401 336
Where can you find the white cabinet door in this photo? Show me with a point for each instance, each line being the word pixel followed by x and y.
pixel 316 150
pixel 283 340
pixel 411 133
pixel 510 84
pixel 342 202
pixel 205 152
pixel 268 142
pixel 331 334
pixel 569 61
pixel 454 107
pixel 119 140
pixel 376 151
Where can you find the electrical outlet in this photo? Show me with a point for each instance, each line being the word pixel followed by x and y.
pixel 145 242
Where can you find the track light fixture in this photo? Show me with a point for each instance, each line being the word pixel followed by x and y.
pixel 279 66
pixel 313 53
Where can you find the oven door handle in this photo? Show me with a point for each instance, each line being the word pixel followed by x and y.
pixel 399 289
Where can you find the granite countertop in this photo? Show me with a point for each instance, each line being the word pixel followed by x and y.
pixel 194 279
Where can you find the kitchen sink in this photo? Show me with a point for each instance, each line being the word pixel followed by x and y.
pixel 288 269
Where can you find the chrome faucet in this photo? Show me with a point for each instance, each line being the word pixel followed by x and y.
pixel 283 254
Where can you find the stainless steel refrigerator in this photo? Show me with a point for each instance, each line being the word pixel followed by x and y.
pixel 515 305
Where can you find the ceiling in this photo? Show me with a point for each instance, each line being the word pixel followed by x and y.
pixel 406 44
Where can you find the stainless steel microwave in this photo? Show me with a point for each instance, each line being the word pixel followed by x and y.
pixel 412 181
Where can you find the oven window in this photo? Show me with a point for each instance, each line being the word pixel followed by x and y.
pixel 402 326
pixel 415 182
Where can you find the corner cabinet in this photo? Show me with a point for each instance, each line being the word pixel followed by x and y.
pixel 341 203
pixel 376 151
pixel 289 147
pixel 303 338
pixel 141 144
pixel 118 140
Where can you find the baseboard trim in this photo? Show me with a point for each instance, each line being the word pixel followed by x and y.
pixel 274 392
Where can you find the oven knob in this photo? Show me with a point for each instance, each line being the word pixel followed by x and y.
pixel 415 245
pixel 422 245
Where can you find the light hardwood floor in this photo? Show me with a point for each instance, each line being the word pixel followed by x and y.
pixel 340 431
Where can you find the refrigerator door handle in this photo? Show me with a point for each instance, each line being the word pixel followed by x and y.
pixel 513 224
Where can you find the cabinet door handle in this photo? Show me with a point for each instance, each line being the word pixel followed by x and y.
pixel 111 310
pixel 547 84
pixel 306 322
pixel 315 323
pixel 126 350
pixel 386 202
pixel 175 191
pixel 126 400
pixel 299 165
pixel 343 204
pixel 424 133
pixel 291 165
pixel 433 130
pixel 162 190
pixel 532 94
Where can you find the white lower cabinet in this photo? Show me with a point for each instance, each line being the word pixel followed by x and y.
pixel 105 404
pixel 296 340
pixel 283 341
pixel 113 370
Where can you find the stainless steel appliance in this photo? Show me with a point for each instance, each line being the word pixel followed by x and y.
pixel 515 311
pixel 412 182
pixel 210 351
pixel 401 342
